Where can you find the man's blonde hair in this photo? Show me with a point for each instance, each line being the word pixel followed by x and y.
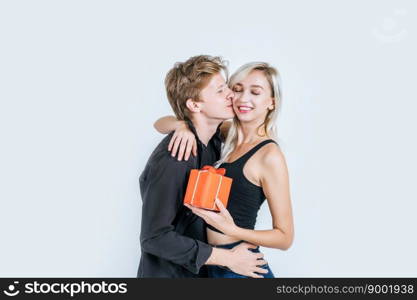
pixel 186 80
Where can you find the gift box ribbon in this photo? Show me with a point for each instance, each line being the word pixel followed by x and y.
pixel 220 171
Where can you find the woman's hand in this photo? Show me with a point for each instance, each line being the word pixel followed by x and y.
pixel 222 220
pixel 184 141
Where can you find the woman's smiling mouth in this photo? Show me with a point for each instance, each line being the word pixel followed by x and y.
pixel 244 109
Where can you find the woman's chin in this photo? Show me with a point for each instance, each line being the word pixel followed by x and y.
pixel 243 117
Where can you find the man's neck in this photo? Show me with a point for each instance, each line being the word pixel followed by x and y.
pixel 205 128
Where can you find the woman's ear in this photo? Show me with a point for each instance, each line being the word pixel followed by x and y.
pixel 271 107
pixel 192 105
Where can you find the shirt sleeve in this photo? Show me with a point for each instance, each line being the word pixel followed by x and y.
pixel 162 192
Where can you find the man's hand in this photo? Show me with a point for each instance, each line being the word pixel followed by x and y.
pixel 245 262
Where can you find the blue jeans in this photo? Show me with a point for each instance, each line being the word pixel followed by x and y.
pixel 224 272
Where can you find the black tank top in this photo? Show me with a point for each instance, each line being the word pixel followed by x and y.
pixel 245 198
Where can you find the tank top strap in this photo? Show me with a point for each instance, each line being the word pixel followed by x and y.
pixel 245 157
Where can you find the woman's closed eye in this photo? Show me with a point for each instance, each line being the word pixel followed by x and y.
pixel 256 92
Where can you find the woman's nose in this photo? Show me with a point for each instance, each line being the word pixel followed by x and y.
pixel 243 97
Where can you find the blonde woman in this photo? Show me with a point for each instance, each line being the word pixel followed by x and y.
pixel 252 157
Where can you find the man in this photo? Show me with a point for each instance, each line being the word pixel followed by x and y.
pixel 173 239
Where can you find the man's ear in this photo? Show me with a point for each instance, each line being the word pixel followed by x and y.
pixel 192 105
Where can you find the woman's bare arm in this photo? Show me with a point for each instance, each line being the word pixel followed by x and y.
pixel 275 184
pixel 167 124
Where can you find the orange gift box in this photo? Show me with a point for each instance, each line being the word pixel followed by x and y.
pixel 207 184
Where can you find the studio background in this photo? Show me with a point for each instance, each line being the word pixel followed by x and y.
pixel 81 83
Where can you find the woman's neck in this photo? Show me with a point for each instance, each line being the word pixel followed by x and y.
pixel 251 132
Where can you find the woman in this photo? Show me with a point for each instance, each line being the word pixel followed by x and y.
pixel 253 159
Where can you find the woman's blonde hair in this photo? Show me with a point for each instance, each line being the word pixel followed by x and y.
pixel 268 126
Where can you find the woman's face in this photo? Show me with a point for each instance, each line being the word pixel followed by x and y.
pixel 252 97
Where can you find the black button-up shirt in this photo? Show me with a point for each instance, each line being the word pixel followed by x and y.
pixel 173 239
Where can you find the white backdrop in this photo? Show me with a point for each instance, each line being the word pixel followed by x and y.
pixel 81 83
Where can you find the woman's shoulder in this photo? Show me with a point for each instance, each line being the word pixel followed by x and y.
pixel 271 155
pixel 268 162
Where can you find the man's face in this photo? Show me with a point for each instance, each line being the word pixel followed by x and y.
pixel 217 99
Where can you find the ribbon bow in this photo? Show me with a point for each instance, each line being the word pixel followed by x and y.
pixel 220 171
